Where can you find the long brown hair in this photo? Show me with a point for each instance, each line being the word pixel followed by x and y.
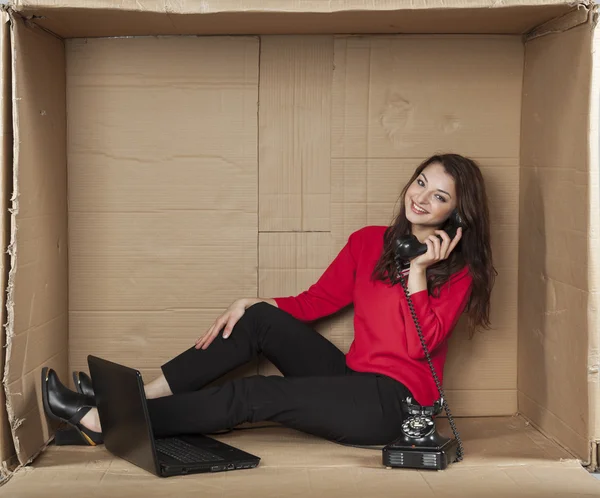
pixel 473 250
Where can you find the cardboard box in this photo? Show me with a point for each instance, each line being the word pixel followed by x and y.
pixel 153 174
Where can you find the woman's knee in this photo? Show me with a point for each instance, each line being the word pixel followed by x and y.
pixel 256 319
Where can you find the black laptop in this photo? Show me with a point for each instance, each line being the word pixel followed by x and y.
pixel 127 432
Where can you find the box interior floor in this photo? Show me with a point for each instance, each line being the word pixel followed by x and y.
pixel 506 458
pixel 158 178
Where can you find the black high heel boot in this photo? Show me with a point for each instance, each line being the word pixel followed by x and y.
pixel 60 403
pixel 83 384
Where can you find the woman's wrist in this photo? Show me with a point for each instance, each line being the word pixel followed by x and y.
pixel 417 279
pixel 416 268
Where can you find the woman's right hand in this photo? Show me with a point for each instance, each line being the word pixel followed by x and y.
pixel 228 319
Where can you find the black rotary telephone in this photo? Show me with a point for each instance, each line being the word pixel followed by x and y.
pixel 420 446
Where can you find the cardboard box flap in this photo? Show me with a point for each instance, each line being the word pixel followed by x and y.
pixel 37 289
pixel 105 18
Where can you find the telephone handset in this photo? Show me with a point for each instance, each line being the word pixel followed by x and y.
pixel 420 446
pixel 409 247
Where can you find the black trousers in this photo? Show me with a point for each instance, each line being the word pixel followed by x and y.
pixel 318 393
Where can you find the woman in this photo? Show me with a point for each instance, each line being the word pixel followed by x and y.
pixel 354 398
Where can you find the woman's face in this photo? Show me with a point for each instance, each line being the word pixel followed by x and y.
pixel 431 198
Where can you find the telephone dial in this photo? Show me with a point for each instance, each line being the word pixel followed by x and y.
pixel 420 446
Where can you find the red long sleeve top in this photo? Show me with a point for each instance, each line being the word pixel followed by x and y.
pixel 385 337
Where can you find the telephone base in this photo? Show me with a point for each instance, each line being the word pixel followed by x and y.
pixel 410 455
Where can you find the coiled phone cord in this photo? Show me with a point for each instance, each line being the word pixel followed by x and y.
pixel 460 449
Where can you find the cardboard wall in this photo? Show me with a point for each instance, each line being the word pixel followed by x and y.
pixel 163 173
pixel 7 449
pixel 556 238
pixel 164 178
pixel 295 133
pixel 37 290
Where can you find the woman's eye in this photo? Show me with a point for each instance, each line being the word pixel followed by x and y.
pixel 440 198
pixel 421 183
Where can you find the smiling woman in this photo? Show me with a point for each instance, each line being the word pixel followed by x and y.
pixel 350 398
pixel 439 186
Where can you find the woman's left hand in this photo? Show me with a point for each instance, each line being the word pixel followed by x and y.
pixel 436 250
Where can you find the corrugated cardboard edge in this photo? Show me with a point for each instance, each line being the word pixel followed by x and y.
pixel 7 471
pixel 7 450
pixel 12 247
pixel 316 6
pixel 594 253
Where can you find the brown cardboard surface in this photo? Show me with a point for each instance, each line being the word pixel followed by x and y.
pixel 7 449
pixel 554 243
pixel 37 304
pixel 163 192
pixel 594 255
pixel 399 97
pixel 295 133
pixel 107 18
pixel 504 457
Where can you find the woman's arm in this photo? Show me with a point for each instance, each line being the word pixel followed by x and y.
pixel 332 292
pixel 437 315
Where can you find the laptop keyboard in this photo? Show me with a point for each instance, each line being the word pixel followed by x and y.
pixel 184 452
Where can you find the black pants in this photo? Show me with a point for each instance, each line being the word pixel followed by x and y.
pixel 318 393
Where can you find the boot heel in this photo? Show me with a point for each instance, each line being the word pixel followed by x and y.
pixel 68 437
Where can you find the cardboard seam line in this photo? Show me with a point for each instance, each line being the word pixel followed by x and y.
pixel 258 161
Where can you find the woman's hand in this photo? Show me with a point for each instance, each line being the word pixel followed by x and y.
pixel 228 319
pixel 436 250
